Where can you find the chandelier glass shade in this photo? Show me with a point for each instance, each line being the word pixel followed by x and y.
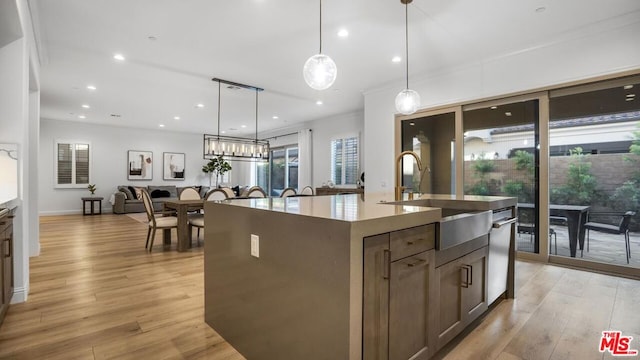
pixel 236 147
pixel 320 70
pixel 239 148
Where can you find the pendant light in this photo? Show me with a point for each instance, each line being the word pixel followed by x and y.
pixel 320 71
pixel 233 147
pixel 407 101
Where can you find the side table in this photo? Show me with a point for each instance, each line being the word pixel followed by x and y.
pixel 92 200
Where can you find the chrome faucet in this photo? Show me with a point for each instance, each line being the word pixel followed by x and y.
pixel 399 187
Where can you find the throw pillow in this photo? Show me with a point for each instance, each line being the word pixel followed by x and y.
pixel 138 193
pixel 127 192
pixel 160 194
pixel 133 191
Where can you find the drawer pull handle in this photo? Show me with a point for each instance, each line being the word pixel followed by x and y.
pixel 466 282
pixel 417 262
pixel 386 264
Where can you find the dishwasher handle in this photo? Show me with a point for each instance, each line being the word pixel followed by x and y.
pixel 499 224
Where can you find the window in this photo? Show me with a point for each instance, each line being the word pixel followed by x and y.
pixel 72 164
pixel 344 160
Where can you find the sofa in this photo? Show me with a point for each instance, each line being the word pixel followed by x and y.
pixel 127 199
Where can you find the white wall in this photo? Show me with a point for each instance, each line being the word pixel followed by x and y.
pixel 19 67
pixel 604 51
pixel 109 146
pixel 323 130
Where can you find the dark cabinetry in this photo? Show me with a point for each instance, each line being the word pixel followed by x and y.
pixel 461 288
pixel 398 277
pixel 338 191
pixel 6 263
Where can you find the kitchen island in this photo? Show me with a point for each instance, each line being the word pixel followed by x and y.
pixel 306 291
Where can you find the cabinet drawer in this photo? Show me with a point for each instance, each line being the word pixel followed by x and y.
pixel 411 241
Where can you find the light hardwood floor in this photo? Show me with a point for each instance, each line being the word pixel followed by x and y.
pixel 97 294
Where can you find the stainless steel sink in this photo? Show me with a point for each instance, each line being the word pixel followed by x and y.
pixel 462 226
pixel 456 226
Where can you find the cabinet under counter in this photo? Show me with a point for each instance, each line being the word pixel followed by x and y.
pixel 305 296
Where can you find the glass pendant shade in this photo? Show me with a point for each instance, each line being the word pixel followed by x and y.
pixel 320 72
pixel 407 101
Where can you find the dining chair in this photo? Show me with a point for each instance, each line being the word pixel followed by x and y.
pixel 288 192
pixel 621 228
pixel 155 222
pixel 216 194
pixel 256 192
pixel 229 191
pixel 198 222
pixel 307 190
pixel 189 193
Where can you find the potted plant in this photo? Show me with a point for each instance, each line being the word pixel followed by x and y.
pixel 92 188
pixel 217 166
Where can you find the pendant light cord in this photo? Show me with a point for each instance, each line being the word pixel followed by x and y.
pixel 320 52
pixel 256 116
pixel 406 36
pixel 218 108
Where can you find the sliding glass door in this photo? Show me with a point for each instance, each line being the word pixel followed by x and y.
pixel 594 173
pixel 502 158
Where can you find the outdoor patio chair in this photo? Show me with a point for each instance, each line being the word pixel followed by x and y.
pixel 621 228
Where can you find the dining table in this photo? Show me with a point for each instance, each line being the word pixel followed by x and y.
pixel 182 208
pixel 576 218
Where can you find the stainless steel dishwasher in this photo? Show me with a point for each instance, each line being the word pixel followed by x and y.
pixel 499 240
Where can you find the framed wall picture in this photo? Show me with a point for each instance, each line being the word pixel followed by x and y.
pixel 173 166
pixel 139 165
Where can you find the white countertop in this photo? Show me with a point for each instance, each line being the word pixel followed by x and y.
pixel 356 208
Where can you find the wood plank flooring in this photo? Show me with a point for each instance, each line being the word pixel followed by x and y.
pixel 97 294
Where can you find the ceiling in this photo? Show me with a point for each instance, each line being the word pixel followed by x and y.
pixel 173 48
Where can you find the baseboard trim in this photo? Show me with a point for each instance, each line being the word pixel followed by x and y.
pixel 70 212
pixel 20 294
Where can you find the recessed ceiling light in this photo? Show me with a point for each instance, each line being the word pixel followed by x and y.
pixel 176 118
pixel 118 57
pixel 275 117
pixel 81 117
pixel 631 95
pixel 243 126
pixel 396 59
pixel 343 33
pixel 91 87
pixel 200 106
pixel 319 102
pixel 541 9
pixel 494 107
pixel 627 87
pixel 508 113
pixel 161 125
pixel 86 106
pixel 630 99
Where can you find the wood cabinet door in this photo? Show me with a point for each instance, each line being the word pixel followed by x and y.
pixel 375 306
pixel 449 320
pixel 409 286
pixel 474 296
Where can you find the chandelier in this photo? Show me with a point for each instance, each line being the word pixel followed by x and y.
pixel 233 147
